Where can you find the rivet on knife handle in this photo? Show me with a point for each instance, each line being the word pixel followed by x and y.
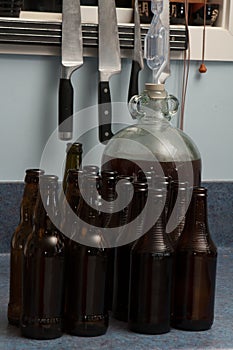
pixel 109 63
pixel 105 112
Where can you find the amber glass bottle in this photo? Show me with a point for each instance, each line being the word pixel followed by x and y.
pixel 69 215
pixel 18 242
pixel 195 269
pixel 43 272
pixel 151 277
pixel 122 254
pixel 109 219
pixel 91 169
pixel 73 160
pixel 71 200
pixel 178 205
pixel 86 296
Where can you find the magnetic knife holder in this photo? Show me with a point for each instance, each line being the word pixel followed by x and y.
pixel 21 33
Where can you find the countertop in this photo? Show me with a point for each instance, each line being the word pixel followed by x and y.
pixel 220 336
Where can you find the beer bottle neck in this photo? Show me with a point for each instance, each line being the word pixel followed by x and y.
pixel 196 236
pixel 88 204
pixel 46 212
pixel 73 161
pixel 155 240
pixel 28 203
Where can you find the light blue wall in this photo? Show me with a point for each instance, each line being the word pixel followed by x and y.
pixel 28 102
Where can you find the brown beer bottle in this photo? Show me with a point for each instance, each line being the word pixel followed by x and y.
pixel 195 269
pixel 91 169
pixel 73 160
pixel 43 272
pixel 87 313
pixel 71 199
pixel 110 219
pixel 18 241
pixel 122 253
pixel 69 215
pixel 178 205
pixel 151 276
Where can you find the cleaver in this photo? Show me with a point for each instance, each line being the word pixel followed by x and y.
pixel 109 64
pixel 72 58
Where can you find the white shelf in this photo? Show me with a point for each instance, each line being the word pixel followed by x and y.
pixel 218 44
pixel 219 39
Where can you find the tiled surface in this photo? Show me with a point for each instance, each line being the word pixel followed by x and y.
pixel 10 198
pixel 220 208
pixel 220 336
pixel 220 204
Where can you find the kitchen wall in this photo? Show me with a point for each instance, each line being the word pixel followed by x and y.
pixel 28 102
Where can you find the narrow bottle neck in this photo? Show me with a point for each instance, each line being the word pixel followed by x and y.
pixel 73 194
pixel 138 202
pixel 197 211
pixel 73 161
pixel 108 190
pixel 155 111
pixel 88 204
pixel 196 236
pixel 46 211
pixel 28 203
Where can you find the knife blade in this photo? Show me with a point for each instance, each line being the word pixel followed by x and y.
pixel 72 58
pixel 109 64
pixel 137 61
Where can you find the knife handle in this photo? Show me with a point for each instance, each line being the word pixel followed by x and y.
pixel 105 112
pixel 65 113
pixel 133 84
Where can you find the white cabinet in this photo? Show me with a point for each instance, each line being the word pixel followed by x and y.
pixel 219 38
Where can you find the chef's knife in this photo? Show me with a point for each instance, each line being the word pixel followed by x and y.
pixel 109 63
pixel 137 61
pixel 72 58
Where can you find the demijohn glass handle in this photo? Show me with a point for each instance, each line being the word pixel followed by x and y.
pixel 135 106
pixel 173 105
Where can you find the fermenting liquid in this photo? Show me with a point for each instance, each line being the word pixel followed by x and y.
pixel 170 169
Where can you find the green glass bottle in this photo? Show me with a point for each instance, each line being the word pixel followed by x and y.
pixel 18 242
pixel 73 160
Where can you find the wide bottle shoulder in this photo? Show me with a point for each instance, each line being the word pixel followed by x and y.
pixel 45 243
pixel 20 235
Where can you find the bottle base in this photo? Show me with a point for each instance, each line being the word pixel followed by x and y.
pixel 120 316
pixel 14 322
pixel 40 333
pixel 86 329
pixel 191 325
pixel 13 314
pixel 149 328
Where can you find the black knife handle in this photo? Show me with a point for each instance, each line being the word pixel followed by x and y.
pixel 105 112
pixel 133 84
pixel 65 109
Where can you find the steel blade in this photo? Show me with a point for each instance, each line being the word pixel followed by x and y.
pixel 109 47
pixel 137 53
pixel 72 44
